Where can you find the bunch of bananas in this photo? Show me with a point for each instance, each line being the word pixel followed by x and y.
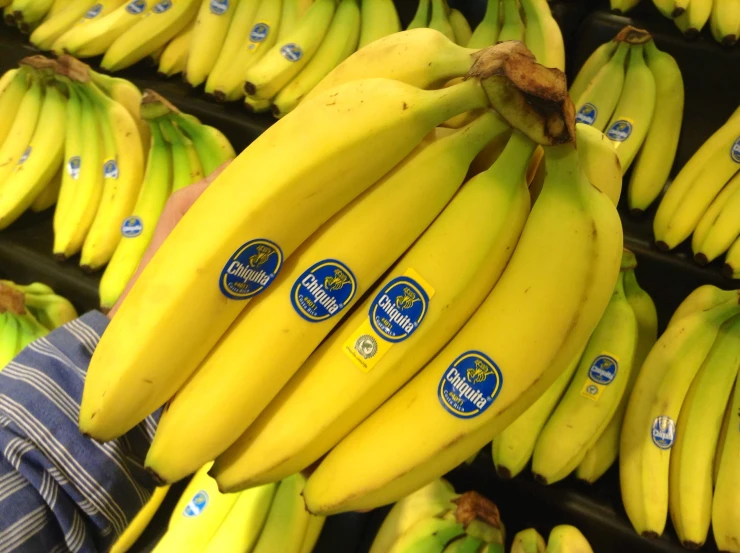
pixel 703 201
pixel 562 539
pixel 435 519
pixel 576 423
pixel 639 108
pixel 27 313
pixel 673 448
pixel 27 14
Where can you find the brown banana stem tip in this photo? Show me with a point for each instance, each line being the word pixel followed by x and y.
pixel 154 105
pixel 633 35
pixel 532 98
pixel 12 300
pixel 473 506
pixel 73 68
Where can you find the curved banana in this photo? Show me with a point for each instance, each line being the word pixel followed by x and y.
pixel 567 539
pixel 313 532
pixel 22 130
pixel 697 434
pixel 725 22
pixel 542 34
pixel 175 55
pixel 692 21
pixel 600 162
pixel 48 197
pixel 186 166
pixel 723 437
pixel 10 100
pixel 431 535
pixel 598 101
pixel 731 268
pixel 9 330
pixel 591 67
pixel 623 6
pixel 207 37
pixel 512 25
pixel 528 541
pixel 287 520
pixel 50 310
pixel 139 523
pixel 438 20
pixel 719 234
pixel 45 35
pixel 212 147
pixel 486 33
pixel 421 16
pixel 460 26
pixel 71 163
pixel 29 13
pixel 702 298
pixel 379 19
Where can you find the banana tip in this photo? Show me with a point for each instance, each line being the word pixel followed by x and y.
pixel 158 480
pixel 729 40
pixel 727 271
pixel 650 535
pixel 60 257
pixel 691 545
pixel 677 12
pixel 250 89
pixel 662 246
pixel 87 269
pixel 636 212
pixel 701 259
pixel 540 479
pixel 504 473
pixel 691 34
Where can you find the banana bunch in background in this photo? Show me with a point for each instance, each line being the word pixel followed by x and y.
pixel 674 456
pixel 265 519
pixel 576 423
pixel 436 14
pixel 27 313
pixel 435 519
pixel 634 93
pixel 562 539
pixel 703 201
pixel 181 152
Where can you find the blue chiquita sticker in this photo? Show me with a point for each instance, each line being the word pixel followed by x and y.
pixel 219 7
pixel 291 52
pixel 162 6
pixel 259 32
pixel 94 12
pixel 587 114
pixel 398 309
pixel 470 385
pixel 136 7
pixel 110 169
pixel 323 290
pixel 132 227
pixel 620 130
pixel 73 167
pixel 251 269
pixel 663 432
pixel 735 151
pixel 25 156
pixel 603 370
pixel 197 505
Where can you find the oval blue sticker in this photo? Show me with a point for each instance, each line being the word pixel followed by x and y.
pixel 259 32
pixel 93 12
pixel 587 114
pixel 219 7
pixel 398 309
pixel 663 432
pixel 197 505
pixel 323 290
pixel 73 167
pixel 110 169
pixel 604 369
pixel 470 385
pixel 251 269
pixel 162 6
pixel 735 151
pixel 291 52
pixel 620 130
pixel 136 7
pixel 132 227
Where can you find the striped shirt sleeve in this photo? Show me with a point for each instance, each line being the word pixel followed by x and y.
pixel 60 491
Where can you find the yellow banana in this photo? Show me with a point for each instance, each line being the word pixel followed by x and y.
pixel 722 437
pixel 542 34
pixel 315 525
pixel 45 35
pixel 208 35
pixel 724 230
pixel 597 102
pixel 212 147
pixel 21 131
pixel 186 166
pixel 701 299
pixel 71 162
pixel 139 523
pixel 709 219
pixel 512 25
pixel 598 59
pixel 486 33
pixel 11 99
pixel 48 197
pixel 600 162
pixel 461 27
pixel 438 20
pixel 731 268
pixel 379 19
pixel 567 539
pixel 725 21
pixel 287 522
pixel 175 55
pixel 694 18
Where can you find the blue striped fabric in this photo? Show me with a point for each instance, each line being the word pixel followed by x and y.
pixel 60 491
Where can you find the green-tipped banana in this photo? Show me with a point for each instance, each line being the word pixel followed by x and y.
pixel 421 17
pixel 486 33
pixel 438 20
pixel 213 148
pixel 512 25
pixel 528 541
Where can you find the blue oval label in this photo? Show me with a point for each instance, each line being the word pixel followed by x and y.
pixel 323 290
pixel 587 114
pixel 132 227
pixel 603 370
pixel 291 52
pixel 470 385
pixel 94 12
pixel 620 130
pixel 663 432
pixel 197 505
pixel 26 154
pixel 219 7
pixel 398 309
pixel 110 169
pixel 162 6
pixel 251 269
pixel 735 151
pixel 73 167
pixel 259 32
pixel 136 7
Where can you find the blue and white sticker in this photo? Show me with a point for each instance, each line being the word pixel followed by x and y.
pixel 663 432
pixel 94 12
pixel 470 385
pixel 162 6
pixel 219 7
pixel 110 169
pixel 251 269
pixel 132 227
pixel 26 154
pixel 603 370
pixel 136 7
pixel 259 32
pixel 197 505
pixel 398 309
pixel 291 52
pixel 620 130
pixel 587 114
pixel 735 151
pixel 323 290
pixel 73 167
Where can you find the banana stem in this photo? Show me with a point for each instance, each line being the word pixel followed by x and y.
pixel 11 300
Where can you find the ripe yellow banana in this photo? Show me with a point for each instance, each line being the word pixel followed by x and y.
pixel 175 55
pixel 28 13
pixel 567 539
pixel 725 21
pixel 438 20
pixel 370 359
pixel 71 162
pixel 291 53
pixel 598 59
pixel 460 26
pixel 40 160
pixel 724 230
pixel 161 24
pixel 709 219
pixel 542 34
pixel 528 541
pixel 623 6
pixel 340 42
pixel 512 25
pixel 58 23
pixel 313 532
pixel 722 438
pixel 697 434
pixel 25 120
pixel 327 275
pixel 597 102
pixel 257 230
pixel 486 33
pixel 600 162
pixel 692 20
pixel 139 523
pixel 649 427
pixel 208 35
pixel 48 197
pixel 731 268
pixel 287 520
pixel 379 19
pixel 702 299
pixel 11 99
pixel 421 16
pixel 655 160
